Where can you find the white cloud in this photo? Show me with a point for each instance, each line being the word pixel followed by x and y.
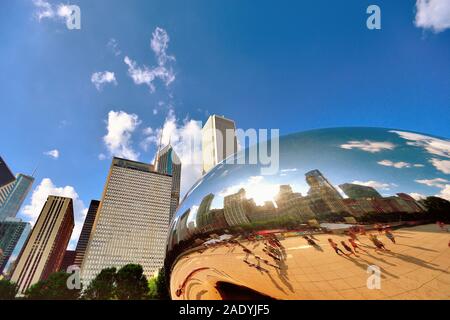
pixel 437 182
pixel 52 153
pixel 434 146
pixel 164 72
pixel 441 165
pixel 433 14
pixel 120 127
pixel 99 79
pixel 185 138
pixel 374 184
pixel 368 146
pixel 113 46
pixel 445 192
pixel 32 210
pixel 159 44
pixel 45 10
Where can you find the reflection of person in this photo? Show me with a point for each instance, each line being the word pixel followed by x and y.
pixel 346 247
pixel 355 245
pixel 335 247
pixel 378 244
pixel 390 236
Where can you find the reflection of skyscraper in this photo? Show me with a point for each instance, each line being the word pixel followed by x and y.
pixel 218 141
pixel 12 231
pixel 46 246
pixel 86 233
pixel 324 197
pixel 293 204
pixel 203 211
pixel 6 176
pixel 168 163
pixel 16 196
pixel 132 222
pixel 235 208
pixel 356 191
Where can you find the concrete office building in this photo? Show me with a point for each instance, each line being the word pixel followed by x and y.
pixel 218 141
pixel 168 162
pixel 45 248
pixel 132 222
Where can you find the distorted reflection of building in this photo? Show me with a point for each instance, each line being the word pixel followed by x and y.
pixel 235 207
pixel 202 218
pixel 356 191
pixel 293 204
pixel 289 209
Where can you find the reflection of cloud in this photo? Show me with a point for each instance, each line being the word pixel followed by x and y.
pixel 398 165
pixel 368 146
pixel 417 196
pixel 256 188
pixel 375 184
pixel 438 182
pixel 441 165
pixel 445 192
pixel 432 145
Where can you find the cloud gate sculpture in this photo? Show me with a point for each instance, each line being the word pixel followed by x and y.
pixel 352 213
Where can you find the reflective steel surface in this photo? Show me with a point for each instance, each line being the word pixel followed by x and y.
pixel 341 219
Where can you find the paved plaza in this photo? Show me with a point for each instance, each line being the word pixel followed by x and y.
pixel 416 267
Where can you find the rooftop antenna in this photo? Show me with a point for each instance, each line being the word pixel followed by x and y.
pixel 159 149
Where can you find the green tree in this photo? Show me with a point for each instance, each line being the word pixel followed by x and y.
pixel 438 208
pixel 54 288
pixel 102 287
pixel 131 283
pixel 8 290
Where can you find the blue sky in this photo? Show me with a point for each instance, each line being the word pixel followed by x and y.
pixel 289 65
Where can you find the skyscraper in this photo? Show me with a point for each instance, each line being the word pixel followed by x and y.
pixel 132 222
pixel 167 162
pixel 218 141
pixel 45 248
pixel 16 196
pixel 83 240
pixel 12 230
pixel 6 176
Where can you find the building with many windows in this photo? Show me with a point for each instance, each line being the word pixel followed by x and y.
pixel 218 141
pixel 83 240
pixel 46 246
pixel 13 233
pixel 16 196
pixel 132 222
pixel 168 162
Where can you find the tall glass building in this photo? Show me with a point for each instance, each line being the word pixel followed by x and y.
pixel 13 233
pixel 16 196
pixel 169 163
